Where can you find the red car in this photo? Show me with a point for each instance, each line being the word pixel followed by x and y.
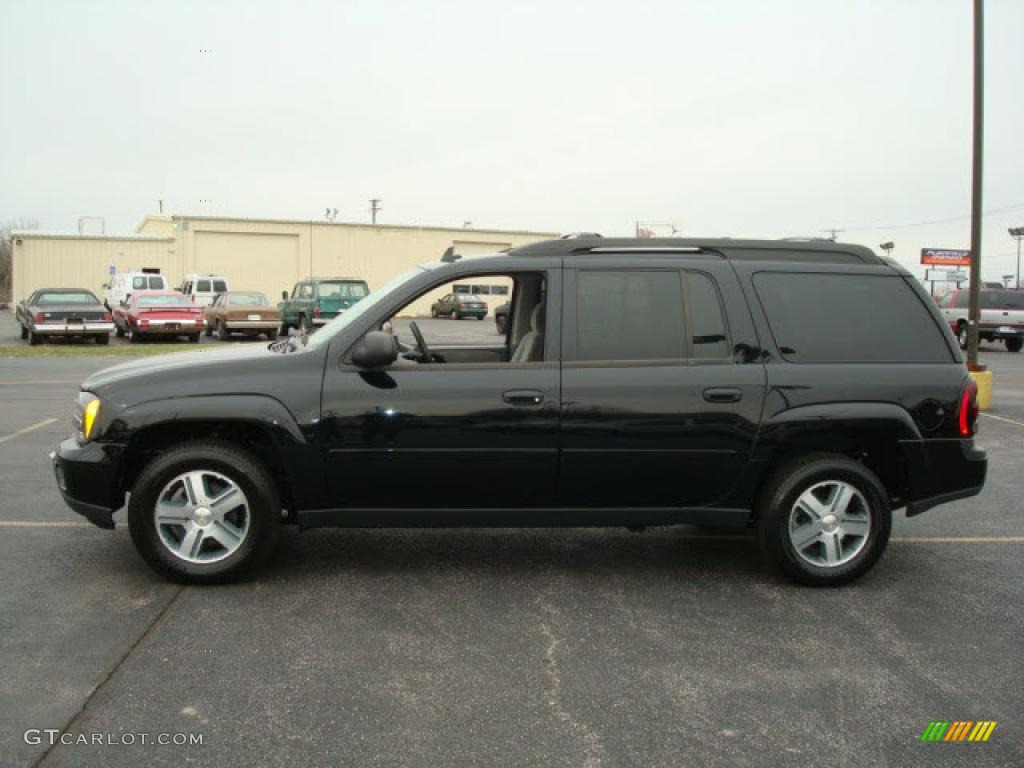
pixel 165 314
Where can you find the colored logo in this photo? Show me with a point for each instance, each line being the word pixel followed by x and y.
pixel 958 730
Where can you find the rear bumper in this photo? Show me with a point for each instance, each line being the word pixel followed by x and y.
pixel 252 324
pixel 941 471
pixel 81 329
pixel 87 479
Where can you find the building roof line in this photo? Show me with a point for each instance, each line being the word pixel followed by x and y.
pixel 364 225
pixel 35 233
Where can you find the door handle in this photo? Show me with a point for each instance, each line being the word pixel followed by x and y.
pixel 523 397
pixel 723 395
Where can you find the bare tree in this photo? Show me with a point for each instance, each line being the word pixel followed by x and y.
pixel 7 253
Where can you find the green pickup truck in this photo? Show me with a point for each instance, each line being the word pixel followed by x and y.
pixel 316 301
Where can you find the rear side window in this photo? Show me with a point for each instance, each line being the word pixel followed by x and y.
pixel 708 332
pixel 203 286
pixel 632 315
pixel 156 283
pixel 219 286
pixel 139 283
pixel 830 318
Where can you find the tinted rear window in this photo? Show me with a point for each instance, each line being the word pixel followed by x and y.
pixel 829 318
pixel 1002 300
pixel 630 316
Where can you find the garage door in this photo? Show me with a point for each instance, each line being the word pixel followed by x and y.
pixel 250 261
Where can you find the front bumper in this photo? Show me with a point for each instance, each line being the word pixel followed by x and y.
pixel 87 479
pixel 78 329
pixel 941 471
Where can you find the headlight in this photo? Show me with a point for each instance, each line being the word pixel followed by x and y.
pixel 86 413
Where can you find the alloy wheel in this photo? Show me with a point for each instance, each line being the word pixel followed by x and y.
pixel 202 516
pixel 829 524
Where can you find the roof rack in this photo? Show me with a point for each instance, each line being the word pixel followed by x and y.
pixel 728 248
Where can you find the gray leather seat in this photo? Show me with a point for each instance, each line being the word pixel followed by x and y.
pixel 530 348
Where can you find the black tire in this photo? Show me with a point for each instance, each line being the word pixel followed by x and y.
pixel 961 334
pixel 194 338
pixel 272 335
pixel 222 331
pixel 481 317
pixel 24 332
pixel 118 331
pixel 34 339
pixel 242 468
pixel 134 337
pixel 501 323
pixel 779 497
pixel 102 338
pixel 455 315
pixel 283 330
pixel 1014 345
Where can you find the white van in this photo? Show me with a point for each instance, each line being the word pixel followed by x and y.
pixel 203 289
pixel 126 283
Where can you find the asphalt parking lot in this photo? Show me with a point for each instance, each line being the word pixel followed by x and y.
pixel 507 647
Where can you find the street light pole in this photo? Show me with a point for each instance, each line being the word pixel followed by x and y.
pixel 1017 233
pixel 974 315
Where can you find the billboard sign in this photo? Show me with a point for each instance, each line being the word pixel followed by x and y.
pixel 945 276
pixel 945 257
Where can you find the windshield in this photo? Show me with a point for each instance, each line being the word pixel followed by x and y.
pixel 248 300
pixel 367 306
pixel 343 290
pixel 1002 299
pixel 66 298
pixel 163 301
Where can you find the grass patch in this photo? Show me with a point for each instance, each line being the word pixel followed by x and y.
pixel 89 349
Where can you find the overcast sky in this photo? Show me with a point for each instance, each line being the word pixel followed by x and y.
pixel 728 117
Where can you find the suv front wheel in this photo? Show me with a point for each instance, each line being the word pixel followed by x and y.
pixel 824 519
pixel 204 512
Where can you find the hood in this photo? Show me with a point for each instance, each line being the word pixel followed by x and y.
pixel 191 365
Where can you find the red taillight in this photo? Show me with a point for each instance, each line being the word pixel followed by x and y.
pixel 462 305
pixel 968 411
pixel 107 317
pixel 40 317
pixel 316 311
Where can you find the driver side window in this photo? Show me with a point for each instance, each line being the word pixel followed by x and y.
pixel 468 335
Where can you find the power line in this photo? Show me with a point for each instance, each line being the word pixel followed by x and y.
pixel 989 212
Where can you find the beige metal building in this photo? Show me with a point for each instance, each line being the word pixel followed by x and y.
pixel 268 255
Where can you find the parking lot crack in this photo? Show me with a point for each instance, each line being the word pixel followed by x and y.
pixel 82 713
pixel 593 750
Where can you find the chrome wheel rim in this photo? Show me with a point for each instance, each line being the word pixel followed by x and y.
pixel 829 524
pixel 202 516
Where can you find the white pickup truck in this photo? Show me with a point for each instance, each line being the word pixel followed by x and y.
pixel 1002 316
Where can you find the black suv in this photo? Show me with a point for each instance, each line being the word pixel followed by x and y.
pixel 804 389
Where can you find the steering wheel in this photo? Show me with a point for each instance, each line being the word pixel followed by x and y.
pixel 421 343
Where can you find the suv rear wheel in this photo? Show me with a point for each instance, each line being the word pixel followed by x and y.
pixel 204 512
pixel 824 519
pixel 1014 345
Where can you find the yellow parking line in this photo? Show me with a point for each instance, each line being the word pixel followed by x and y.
pixel 26 430
pixel 1003 418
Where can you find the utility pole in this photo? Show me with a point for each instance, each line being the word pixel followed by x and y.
pixel 374 207
pixel 1017 233
pixel 974 312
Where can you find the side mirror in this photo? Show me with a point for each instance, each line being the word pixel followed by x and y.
pixel 284 295
pixel 376 350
